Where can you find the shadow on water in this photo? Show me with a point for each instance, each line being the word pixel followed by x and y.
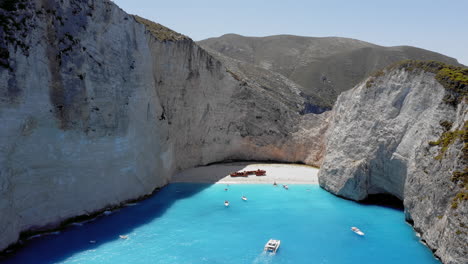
pixel 74 239
pixel 384 200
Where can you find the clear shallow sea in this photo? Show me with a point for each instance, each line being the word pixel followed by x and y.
pixel 188 223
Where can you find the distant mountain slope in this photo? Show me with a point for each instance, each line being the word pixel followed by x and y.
pixel 273 83
pixel 322 67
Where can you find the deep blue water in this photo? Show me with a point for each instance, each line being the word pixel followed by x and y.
pixel 188 223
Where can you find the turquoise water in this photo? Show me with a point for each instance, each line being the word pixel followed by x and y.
pixel 188 223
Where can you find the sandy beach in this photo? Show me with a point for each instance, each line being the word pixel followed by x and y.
pixel 275 172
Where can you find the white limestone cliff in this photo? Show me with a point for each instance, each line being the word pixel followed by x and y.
pixel 379 144
pixel 97 108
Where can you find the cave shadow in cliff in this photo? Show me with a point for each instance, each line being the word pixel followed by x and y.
pixel 385 200
pixel 249 162
pixel 382 199
pixel 106 228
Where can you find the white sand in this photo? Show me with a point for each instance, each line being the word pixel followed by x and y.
pixel 219 173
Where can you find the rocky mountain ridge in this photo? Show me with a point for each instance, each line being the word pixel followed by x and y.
pixel 321 67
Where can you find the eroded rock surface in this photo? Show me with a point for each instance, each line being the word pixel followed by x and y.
pixel 97 108
pixel 403 133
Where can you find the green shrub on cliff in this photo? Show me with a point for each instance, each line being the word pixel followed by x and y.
pixel 454 79
pixel 447 125
pixel 374 77
pixel 449 137
pixel 445 140
pixel 461 196
pixel 460 178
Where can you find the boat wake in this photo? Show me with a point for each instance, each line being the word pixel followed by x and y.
pixel 264 258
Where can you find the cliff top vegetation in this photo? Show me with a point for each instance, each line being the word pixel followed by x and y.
pixel 159 31
pixel 453 78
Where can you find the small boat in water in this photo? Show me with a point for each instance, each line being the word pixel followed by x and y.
pixel 244 198
pixel 226 203
pixel 357 231
pixel 123 236
pixel 272 245
pixel 285 186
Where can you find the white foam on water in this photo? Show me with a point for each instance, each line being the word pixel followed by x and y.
pixel 31 237
pixel 264 258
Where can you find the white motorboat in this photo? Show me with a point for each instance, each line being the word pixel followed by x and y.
pixel 244 198
pixel 272 245
pixel 357 231
pixel 123 236
pixel 226 203
pixel 285 186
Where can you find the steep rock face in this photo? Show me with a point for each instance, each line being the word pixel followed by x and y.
pixel 270 80
pixel 97 108
pixel 75 133
pixel 383 139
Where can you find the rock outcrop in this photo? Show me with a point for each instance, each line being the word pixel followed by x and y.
pixel 98 107
pixel 404 132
